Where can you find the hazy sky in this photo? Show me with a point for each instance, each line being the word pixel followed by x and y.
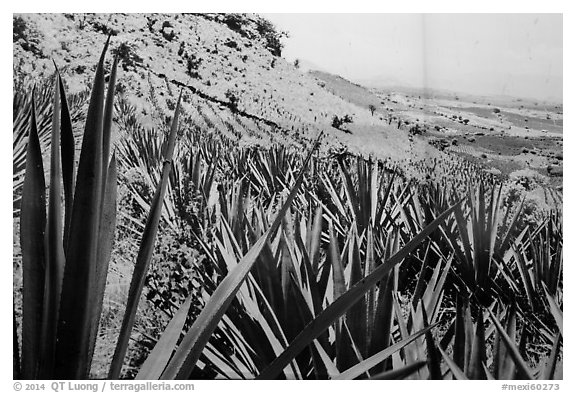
pixel 509 54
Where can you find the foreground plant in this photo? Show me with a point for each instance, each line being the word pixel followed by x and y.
pixel 66 250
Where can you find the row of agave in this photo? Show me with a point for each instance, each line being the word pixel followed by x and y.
pixel 311 270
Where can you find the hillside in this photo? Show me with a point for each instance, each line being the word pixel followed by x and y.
pixel 230 65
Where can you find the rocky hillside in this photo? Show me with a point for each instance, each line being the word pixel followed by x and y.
pixel 230 65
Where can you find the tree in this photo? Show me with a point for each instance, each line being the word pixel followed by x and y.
pixel 232 99
pixel 372 109
pixel 297 63
pixel 336 122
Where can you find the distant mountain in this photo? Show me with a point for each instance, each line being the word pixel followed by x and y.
pixel 525 87
pixel 384 81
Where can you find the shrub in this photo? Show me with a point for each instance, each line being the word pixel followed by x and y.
pixel 271 36
pixel 192 65
pixel 104 29
pixel 372 109
pixel 234 21
pixel 28 38
pixel 231 44
pixel 19 28
pixel 336 122
pixel 416 130
pixel 167 31
pixel 233 99
pixel 126 52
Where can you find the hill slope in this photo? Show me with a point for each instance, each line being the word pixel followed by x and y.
pixel 230 65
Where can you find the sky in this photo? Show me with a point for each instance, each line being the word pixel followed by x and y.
pixel 488 54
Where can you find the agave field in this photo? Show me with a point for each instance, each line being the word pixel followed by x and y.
pixel 290 263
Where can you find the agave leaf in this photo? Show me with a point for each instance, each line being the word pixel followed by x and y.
pixel 493 218
pixel 507 236
pixel 68 148
pixel 383 315
pixel 419 290
pixel 328 363
pixel 400 373
pixel 195 340
pixel 32 227
pixel 348 350
pixel 337 268
pixel 523 370
pixel 54 249
pixel 334 196
pixel 374 360
pixel 478 355
pixel 433 357
pixel 16 366
pixel 264 316
pixel 73 347
pixel 552 361
pixel 315 235
pixel 271 327
pixel 384 308
pixel 504 367
pixel 347 300
pixel 105 244
pixel 410 354
pixel 373 194
pixel 555 310
pixel 456 371
pixel 108 114
pixel 417 349
pixel 158 358
pixel 355 317
pixel 432 296
pixel 468 336
pixel 465 256
pixel 287 266
pixel 368 307
pixel 144 252
pixel 522 263
pixel 339 285
pixel 384 201
pixel 351 199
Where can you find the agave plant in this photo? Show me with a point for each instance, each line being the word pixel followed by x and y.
pixel 472 358
pixel 22 110
pixel 66 251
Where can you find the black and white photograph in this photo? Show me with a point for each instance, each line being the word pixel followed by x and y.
pixel 287 196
